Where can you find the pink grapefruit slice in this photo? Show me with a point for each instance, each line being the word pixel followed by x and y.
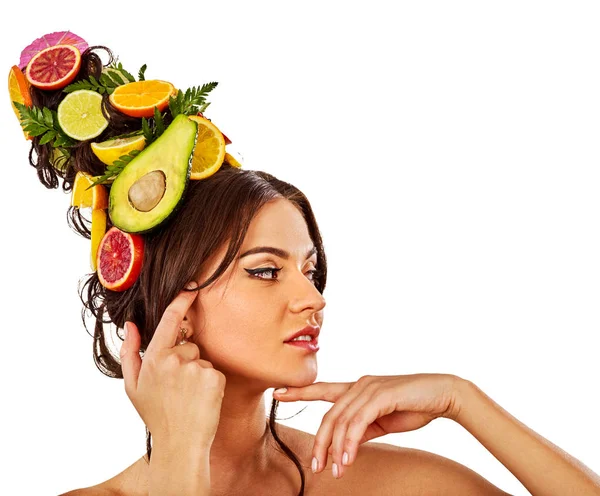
pixel 48 40
pixel 54 67
pixel 119 259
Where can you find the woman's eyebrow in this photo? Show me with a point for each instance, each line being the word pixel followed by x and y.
pixel 275 251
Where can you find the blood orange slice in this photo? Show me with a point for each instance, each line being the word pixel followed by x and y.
pixel 119 259
pixel 54 67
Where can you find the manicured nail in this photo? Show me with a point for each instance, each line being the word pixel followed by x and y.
pixel 334 469
pixel 315 464
pixel 280 391
pixel 345 458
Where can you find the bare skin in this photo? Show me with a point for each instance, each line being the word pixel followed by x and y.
pixel 415 471
pixel 240 324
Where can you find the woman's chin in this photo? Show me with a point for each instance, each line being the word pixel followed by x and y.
pixel 300 376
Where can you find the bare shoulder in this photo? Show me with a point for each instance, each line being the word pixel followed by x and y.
pixel 409 471
pixel 92 490
pixel 130 482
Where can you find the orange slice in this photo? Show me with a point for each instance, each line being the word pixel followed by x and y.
pixel 231 160
pixel 95 197
pixel 98 231
pixel 209 151
pixel 18 89
pixel 139 98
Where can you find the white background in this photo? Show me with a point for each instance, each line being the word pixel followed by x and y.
pixel 450 152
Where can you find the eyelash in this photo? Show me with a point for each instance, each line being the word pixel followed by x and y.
pixel 254 272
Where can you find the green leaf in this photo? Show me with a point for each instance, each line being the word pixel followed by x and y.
pixel 190 102
pixel 47 117
pixel 158 120
pixel 116 77
pixel 147 131
pixel 116 168
pixel 35 129
pixel 127 75
pixel 62 140
pixel 84 84
pixel 49 136
pixel 203 107
pixel 141 73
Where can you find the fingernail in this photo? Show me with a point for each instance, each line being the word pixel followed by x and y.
pixel 334 469
pixel 126 329
pixel 345 458
pixel 315 464
pixel 280 391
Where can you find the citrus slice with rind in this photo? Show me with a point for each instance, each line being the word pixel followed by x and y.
pixel 139 98
pixel 209 151
pixel 119 259
pixel 231 159
pixel 95 197
pixel 97 233
pixel 54 67
pixel 110 150
pixel 80 115
pixel 18 89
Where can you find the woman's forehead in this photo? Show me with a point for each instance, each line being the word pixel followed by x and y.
pixel 281 225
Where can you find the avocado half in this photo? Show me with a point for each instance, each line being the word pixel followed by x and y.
pixel 150 187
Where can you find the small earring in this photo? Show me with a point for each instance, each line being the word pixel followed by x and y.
pixel 183 332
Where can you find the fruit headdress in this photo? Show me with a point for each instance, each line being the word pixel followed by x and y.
pixel 64 98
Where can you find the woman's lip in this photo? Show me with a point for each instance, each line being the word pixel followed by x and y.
pixel 311 345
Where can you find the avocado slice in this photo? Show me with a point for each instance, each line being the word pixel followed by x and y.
pixel 151 187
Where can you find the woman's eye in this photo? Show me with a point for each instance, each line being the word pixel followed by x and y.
pixel 273 271
pixel 259 272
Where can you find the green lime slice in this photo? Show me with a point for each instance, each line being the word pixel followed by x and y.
pixel 80 115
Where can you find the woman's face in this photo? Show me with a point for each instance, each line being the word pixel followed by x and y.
pixel 241 321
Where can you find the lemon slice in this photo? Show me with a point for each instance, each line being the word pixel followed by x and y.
pixel 97 233
pixel 111 150
pixel 209 151
pixel 80 115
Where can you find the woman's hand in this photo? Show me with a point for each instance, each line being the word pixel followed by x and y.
pixel 374 406
pixel 177 394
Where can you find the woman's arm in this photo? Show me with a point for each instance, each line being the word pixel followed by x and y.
pixel 542 467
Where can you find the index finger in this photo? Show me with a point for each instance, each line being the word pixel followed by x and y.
pixel 326 391
pixel 167 331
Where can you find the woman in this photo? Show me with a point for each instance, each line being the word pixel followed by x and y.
pixel 203 399
pixel 226 283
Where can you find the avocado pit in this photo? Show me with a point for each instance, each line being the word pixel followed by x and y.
pixel 148 190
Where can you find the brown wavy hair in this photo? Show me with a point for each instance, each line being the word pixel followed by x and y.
pixel 213 212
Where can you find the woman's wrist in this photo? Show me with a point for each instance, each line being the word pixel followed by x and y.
pixel 461 390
